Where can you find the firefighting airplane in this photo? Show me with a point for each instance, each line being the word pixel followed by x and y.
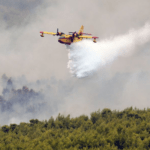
pixel 72 37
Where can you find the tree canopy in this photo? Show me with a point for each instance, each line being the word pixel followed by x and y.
pixel 103 130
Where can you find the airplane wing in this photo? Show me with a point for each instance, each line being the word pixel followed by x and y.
pixel 52 33
pixel 88 37
pixel 44 32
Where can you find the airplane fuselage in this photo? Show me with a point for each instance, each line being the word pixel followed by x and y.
pixel 68 41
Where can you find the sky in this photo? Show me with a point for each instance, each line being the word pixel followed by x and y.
pixel 41 63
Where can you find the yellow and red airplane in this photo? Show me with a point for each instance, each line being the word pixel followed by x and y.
pixel 72 37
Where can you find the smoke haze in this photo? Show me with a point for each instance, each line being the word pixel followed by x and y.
pixel 119 79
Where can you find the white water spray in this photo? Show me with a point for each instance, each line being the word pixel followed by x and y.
pixel 86 57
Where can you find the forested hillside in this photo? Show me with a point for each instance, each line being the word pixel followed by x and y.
pixel 104 130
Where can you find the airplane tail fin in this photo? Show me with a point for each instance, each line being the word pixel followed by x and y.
pixel 81 30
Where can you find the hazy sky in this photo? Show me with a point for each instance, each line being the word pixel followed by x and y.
pixel 28 58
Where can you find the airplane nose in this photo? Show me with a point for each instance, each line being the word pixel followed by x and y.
pixel 59 40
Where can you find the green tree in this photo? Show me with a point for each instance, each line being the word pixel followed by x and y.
pixel 5 129
pixel 95 116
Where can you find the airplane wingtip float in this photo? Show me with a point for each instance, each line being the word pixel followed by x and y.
pixel 72 37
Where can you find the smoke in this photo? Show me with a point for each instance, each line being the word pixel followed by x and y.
pixel 19 103
pixel 86 57
pixel 118 79
pixel 21 100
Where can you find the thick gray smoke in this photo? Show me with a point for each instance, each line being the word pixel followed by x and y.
pixel 42 85
pixel 19 103
pixel 22 100
pixel 86 57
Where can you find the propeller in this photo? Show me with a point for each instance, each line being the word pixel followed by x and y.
pixel 74 34
pixel 82 33
pixel 59 33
